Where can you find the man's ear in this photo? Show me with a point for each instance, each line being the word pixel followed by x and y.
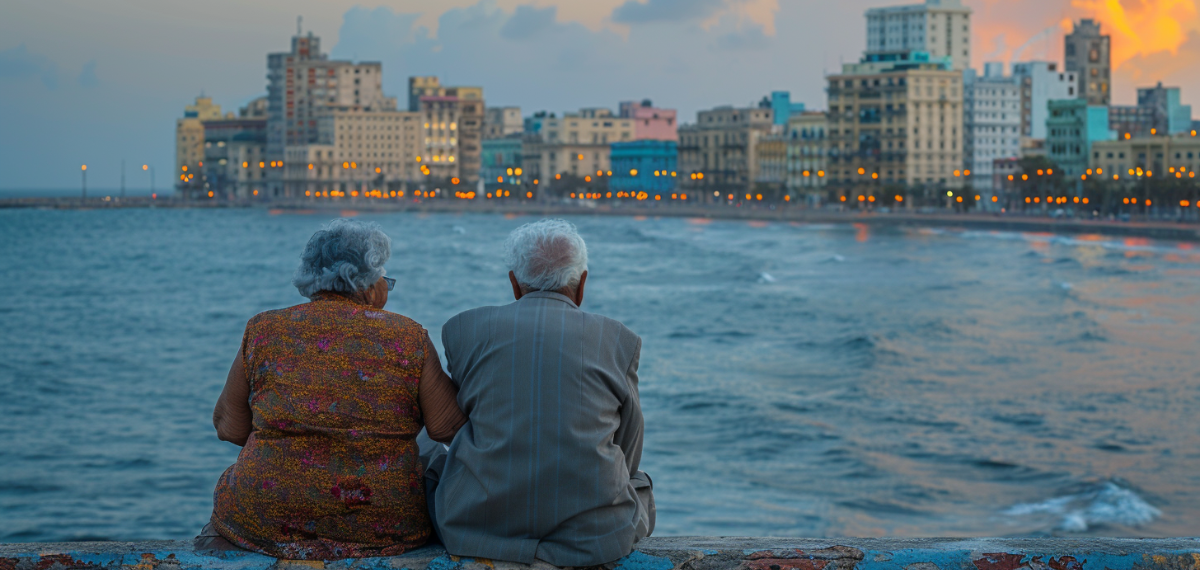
pixel 579 290
pixel 517 294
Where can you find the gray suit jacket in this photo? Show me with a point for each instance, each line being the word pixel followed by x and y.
pixel 547 466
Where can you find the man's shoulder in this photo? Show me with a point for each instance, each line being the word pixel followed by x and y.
pixel 613 331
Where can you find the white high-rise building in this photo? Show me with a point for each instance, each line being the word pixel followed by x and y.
pixel 991 122
pixel 303 84
pixel 941 28
pixel 1041 82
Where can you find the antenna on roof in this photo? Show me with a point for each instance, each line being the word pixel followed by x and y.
pixel 299 20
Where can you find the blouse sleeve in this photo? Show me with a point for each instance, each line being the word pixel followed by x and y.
pixel 438 398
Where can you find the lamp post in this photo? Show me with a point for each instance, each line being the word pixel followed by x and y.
pixel 83 169
pixel 147 167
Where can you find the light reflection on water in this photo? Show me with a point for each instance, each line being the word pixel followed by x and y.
pixel 796 379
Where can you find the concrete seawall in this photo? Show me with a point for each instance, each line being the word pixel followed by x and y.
pixel 667 554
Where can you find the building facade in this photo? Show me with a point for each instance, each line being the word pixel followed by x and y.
pixel 501 122
pixel 991 122
pixel 650 123
pixel 503 161
pixel 783 107
pixel 1073 127
pixel 941 28
pixel 1087 55
pixel 235 157
pixel 717 154
pixel 440 115
pixel 807 150
pixel 302 85
pixel 648 166
pixel 1041 82
pixel 902 126
pixel 1161 157
pixel 471 110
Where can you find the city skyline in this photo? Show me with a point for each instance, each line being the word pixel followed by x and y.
pixel 97 98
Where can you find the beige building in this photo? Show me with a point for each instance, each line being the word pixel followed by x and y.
pixel 1156 155
pixel 576 144
pixel 901 126
pixel 808 148
pixel 771 172
pixel 440 116
pixel 721 150
pixel 941 28
pixel 471 111
pixel 359 150
pixel 189 144
pixel 501 122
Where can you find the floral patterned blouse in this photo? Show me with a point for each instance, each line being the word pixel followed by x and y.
pixel 331 468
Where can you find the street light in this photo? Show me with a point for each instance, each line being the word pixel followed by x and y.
pixel 83 169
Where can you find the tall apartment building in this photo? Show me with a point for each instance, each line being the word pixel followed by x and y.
pixel 898 125
pixel 470 110
pixel 575 144
pixel 941 28
pixel 720 149
pixel 1041 82
pixel 1072 128
pixel 1088 56
pixel 1158 112
pixel 991 122
pixel 189 144
pixel 303 84
pixel 808 146
pixel 440 116
pixel 499 122
pixel 650 122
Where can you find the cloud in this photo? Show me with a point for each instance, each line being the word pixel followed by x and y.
pixel 21 65
pixel 528 21
pixel 640 12
pixel 87 77
pixel 750 38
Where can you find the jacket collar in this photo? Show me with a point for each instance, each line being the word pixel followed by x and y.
pixel 549 295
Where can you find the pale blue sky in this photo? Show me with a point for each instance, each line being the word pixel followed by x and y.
pixel 98 81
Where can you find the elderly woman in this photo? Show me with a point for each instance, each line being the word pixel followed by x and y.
pixel 326 398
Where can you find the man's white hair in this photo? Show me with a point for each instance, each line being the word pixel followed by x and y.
pixel 547 255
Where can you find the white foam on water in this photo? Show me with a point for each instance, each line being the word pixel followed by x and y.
pixel 765 277
pixel 459 230
pixel 1107 504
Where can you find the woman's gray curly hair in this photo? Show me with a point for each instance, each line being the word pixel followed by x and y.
pixel 546 255
pixel 345 256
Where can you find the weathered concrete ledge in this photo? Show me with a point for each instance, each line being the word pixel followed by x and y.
pixel 667 554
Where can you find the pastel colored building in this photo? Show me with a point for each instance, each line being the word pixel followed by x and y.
pixel 1072 128
pixel 650 122
pixel 644 166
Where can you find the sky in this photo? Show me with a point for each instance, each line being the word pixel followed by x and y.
pixel 100 81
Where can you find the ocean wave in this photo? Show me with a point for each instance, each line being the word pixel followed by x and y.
pixel 1105 504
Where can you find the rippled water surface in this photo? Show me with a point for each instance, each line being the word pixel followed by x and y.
pixel 796 380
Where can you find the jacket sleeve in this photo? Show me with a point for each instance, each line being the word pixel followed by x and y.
pixel 629 434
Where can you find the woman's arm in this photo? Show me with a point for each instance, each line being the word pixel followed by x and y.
pixel 232 416
pixel 439 399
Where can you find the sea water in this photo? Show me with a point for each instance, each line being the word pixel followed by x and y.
pixel 796 380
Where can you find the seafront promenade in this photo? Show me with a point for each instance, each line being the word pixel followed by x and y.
pixel 684 553
pixel 1154 229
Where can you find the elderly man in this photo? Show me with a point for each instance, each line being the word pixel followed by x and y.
pixel 547 465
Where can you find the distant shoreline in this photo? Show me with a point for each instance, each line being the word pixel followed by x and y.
pixel 1189 232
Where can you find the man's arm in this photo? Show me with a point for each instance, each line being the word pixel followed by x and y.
pixel 232 416
pixel 629 434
